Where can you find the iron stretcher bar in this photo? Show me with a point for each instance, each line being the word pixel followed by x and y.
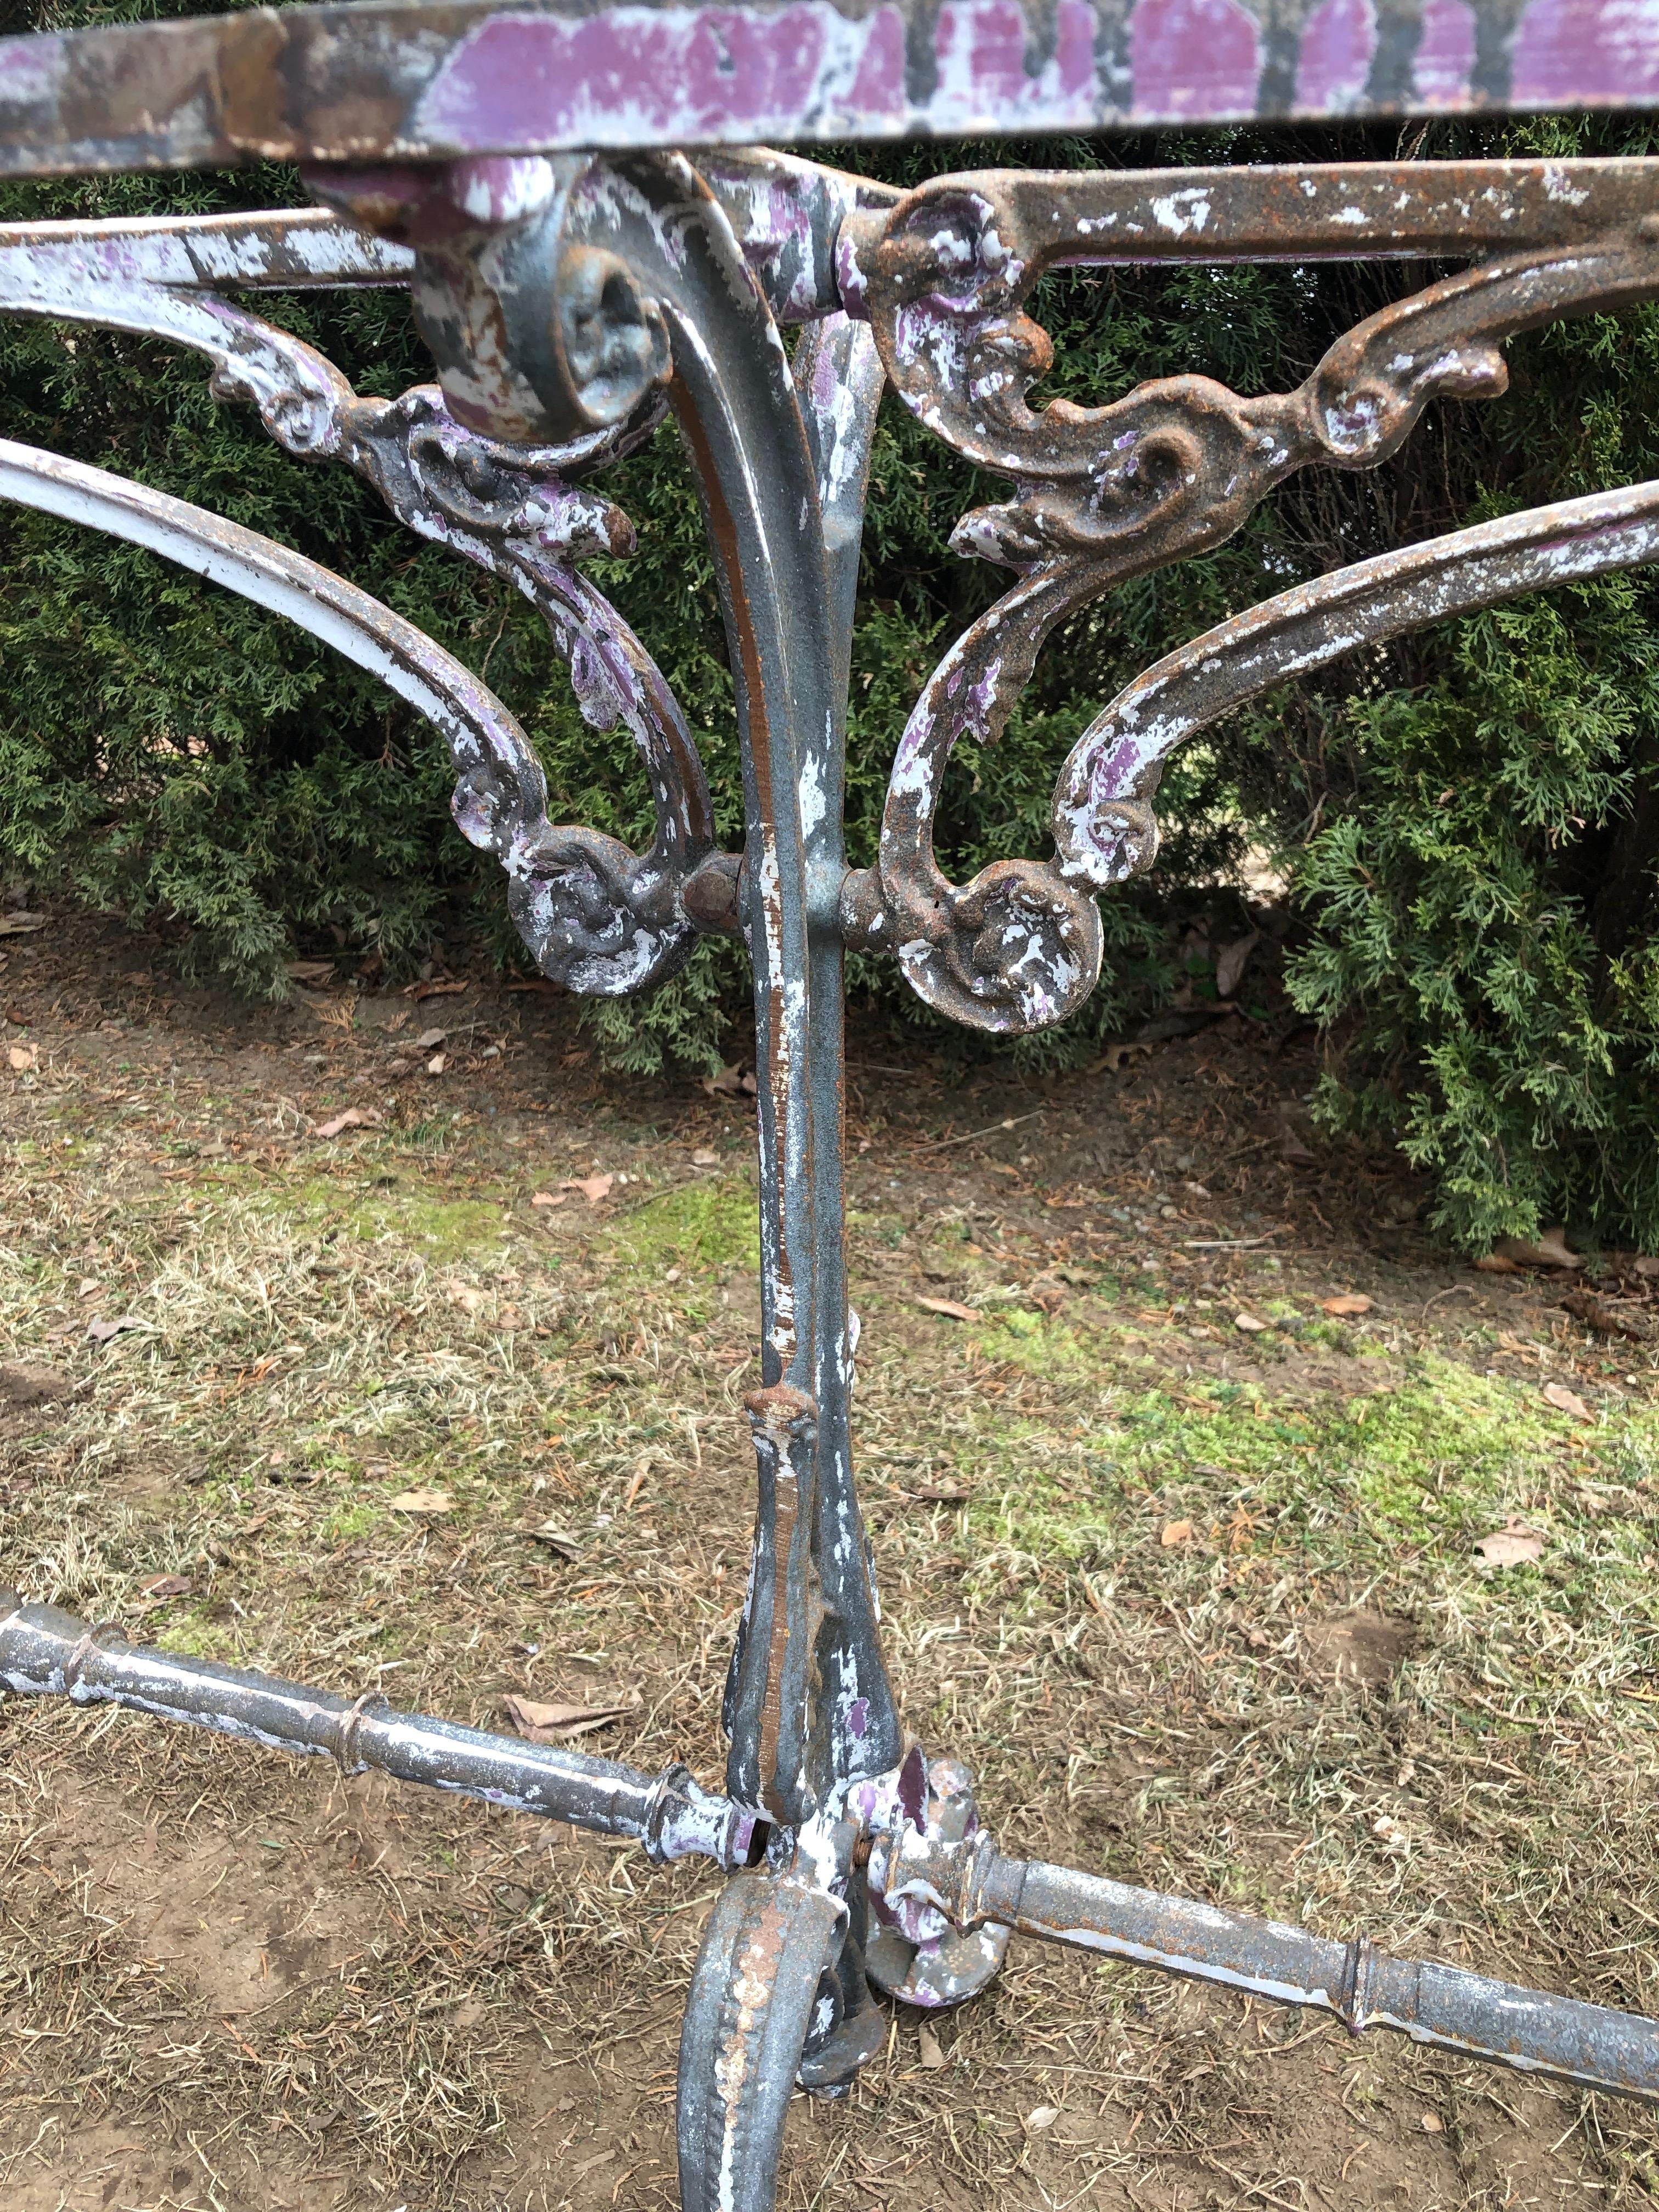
pixel 44 1651
pixel 1363 1987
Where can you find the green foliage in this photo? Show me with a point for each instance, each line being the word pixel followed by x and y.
pixel 1464 821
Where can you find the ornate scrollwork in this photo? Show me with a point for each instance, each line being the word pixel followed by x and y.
pixel 596 916
pixel 1105 494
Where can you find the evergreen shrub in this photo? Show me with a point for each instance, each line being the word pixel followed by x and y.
pixel 1463 821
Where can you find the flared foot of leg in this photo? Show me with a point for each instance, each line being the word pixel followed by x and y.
pixel 769 1944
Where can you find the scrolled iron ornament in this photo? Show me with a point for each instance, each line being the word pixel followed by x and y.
pixel 1105 494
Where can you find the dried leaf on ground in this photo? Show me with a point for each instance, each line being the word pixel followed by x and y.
pixel 23 1057
pixel 423 1501
pixel 1043 2117
pixel 1494 1263
pixel 1548 1249
pixel 928 2049
pixel 593 1188
pixel 1233 960
pixel 1115 1055
pixel 436 1065
pixel 549 1198
pixel 728 1083
pixel 952 1308
pixel 940 1493
pixel 339 1013
pixel 159 1586
pixel 419 991
pixel 1512 1546
pixel 1351 1301
pixel 558 1539
pixel 428 1040
pixel 100 1330
pixel 1567 1402
pixel 705 1159
pixel 355 1117
pixel 21 924
pixel 1176 1532
pixel 1584 1306
pixel 467 1296
pixel 311 971
pixel 539 1723
pixel 1248 1323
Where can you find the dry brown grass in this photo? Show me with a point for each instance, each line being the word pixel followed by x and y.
pixel 230 1981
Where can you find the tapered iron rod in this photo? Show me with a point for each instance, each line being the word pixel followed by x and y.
pixel 44 1651
pixel 1362 1986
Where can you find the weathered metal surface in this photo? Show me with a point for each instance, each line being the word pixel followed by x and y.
pixel 43 1651
pixel 1114 769
pixel 974 1886
pixel 769 1941
pixel 570 302
pixel 430 79
pixel 1106 493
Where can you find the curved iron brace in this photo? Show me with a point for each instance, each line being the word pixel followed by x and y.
pixel 1112 772
pixel 1111 493
pixel 484 740
pixel 596 916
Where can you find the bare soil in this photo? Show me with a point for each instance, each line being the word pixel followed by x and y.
pixel 1197 1600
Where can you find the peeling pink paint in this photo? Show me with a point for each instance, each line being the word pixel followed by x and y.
pixel 1194 58
pixel 1444 61
pixel 879 86
pixel 981 49
pixel 673 73
pixel 1573 50
pixel 1335 58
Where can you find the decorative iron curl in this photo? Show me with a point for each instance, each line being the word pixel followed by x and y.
pixel 1106 493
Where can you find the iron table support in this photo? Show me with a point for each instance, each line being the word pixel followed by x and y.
pixel 577 279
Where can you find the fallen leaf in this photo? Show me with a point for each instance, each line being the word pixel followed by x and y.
pixel 436 1066
pixel 100 1331
pixel 728 1081
pixel 19 924
pixel 1044 2117
pixel 1594 1315
pixel 593 1187
pixel 352 1118
pixel 339 1013
pixel 1567 1402
pixel 167 1586
pixel 1248 1323
pixel 467 1296
pixel 939 1493
pixel 1176 1532
pixel 1233 961
pixel 1115 1055
pixel 419 991
pixel 312 971
pixel 428 1040
pixel 1433 2124
pixel 927 2048
pixel 1512 1546
pixel 1550 1250
pixel 952 1308
pixel 1392 1834
pixel 705 1159
pixel 422 1501
pixel 558 1723
pixel 23 1057
pixel 1495 1263
pixel 557 1540
pixel 549 1198
pixel 1351 1301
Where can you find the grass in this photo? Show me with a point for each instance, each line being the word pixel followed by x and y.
pixel 1201 1607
